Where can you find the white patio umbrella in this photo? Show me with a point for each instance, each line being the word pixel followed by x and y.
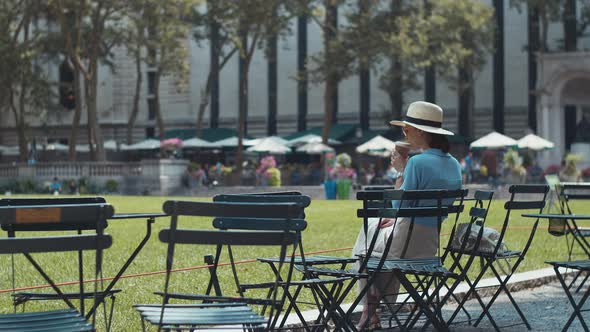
pixel 274 138
pixel 534 142
pixel 111 145
pixel 82 148
pixel 148 144
pixel 198 143
pixel 315 148
pixel 311 138
pixel 377 146
pixel 228 142
pixel 56 147
pixel 10 150
pixel 271 146
pixel 107 145
pixel 493 140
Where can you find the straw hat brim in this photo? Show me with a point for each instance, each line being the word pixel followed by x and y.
pixel 429 129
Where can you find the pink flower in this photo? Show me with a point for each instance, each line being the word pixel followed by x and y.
pixel 171 143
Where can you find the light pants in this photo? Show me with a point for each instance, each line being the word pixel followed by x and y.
pixel 423 243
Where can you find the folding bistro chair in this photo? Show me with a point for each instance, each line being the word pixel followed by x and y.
pixel 582 266
pixel 422 278
pixel 464 241
pixel 18 217
pixel 243 224
pixel 21 298
pixel 522 198
pixel 567 193
pixel 318 287
pixel 377 204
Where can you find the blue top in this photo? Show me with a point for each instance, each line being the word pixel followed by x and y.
pixel 432 169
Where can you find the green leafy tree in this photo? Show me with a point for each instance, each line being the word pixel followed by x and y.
pixel 460 54
pixel 135 40
pixel 24 89
pixel 208 28
pixel 168 27
pixel 90 29
pixel 249 24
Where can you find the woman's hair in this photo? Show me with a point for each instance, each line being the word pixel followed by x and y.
pixel 438 141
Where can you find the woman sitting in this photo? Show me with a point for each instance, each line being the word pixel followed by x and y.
pixel 434 168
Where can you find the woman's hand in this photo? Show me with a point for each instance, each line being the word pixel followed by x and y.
pixel 398 161
pixel 386 222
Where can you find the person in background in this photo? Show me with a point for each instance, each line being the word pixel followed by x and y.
pixel 55 186
pixel 469 167
pixel 72 187
pixel 489 159
pixel 434 168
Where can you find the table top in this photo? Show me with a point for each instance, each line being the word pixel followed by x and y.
pixel 138 215
pixel 556 216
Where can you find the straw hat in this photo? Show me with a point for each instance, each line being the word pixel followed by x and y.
pixel 424 116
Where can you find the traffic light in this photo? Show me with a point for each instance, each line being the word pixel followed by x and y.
pixel 67 97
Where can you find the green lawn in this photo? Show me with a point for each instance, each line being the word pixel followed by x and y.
pixel 332 224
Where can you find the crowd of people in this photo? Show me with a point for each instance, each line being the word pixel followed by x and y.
pixel 497 167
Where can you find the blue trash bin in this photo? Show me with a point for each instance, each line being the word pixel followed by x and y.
pixel 330 189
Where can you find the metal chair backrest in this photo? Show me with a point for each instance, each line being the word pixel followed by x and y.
pixel 262 198
pixel 409 208
pixel 242 224
pixel 52 226
pixel 537 195
pixel 58 217
pixel 570 191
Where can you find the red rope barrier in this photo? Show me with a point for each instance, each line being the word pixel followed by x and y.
pixel 145 274
pixel 184 269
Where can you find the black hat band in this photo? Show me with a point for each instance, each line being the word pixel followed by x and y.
pixel 423 122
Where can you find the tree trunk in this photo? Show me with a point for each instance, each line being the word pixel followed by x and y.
pixel 465 94
pixel 301 73
pixel 271 125
pixel 498 69
pixel 533 47
pixel 330 107
pixel 135 109
pixel 213 90
pixel 92 110
pixel 158 111
pixel 205 95
pixel 20 125
pixel 430 71
pixel 364 77
pixel 77 115
pixel 243 111
pixel 211 86
pixel 396 86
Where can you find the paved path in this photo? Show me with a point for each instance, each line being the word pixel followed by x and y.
pixel 539 296
pixel 546 308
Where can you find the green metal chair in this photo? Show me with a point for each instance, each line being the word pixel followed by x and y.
pixel 92 216
pixel 321 289
pixel 242 224
pixel 22 298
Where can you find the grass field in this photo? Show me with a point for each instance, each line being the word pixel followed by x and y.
pixel 332 225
